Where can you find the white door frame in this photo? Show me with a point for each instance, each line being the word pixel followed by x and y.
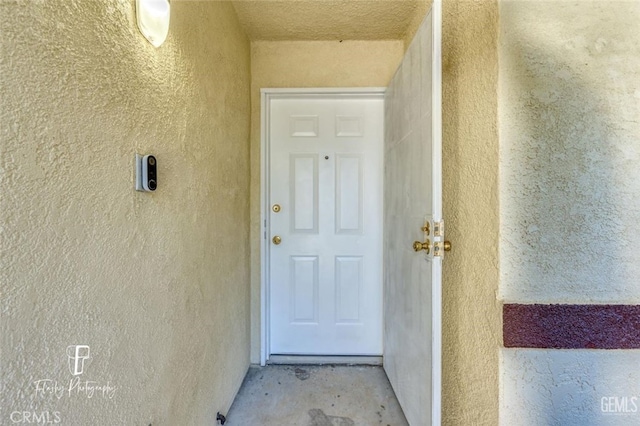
pixel 265 248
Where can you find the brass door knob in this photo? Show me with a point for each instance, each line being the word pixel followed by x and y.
pixel 447 246
pixel 418 246
pixel 276 240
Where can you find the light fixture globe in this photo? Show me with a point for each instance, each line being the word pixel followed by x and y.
pixel 153 20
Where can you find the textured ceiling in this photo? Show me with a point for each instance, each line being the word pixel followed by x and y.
pixel 326 19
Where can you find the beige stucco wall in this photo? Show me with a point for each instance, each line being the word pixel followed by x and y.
pixel 305 64
pixel 569 152
pixel 422 7
pixel 156 284
pixel 471 314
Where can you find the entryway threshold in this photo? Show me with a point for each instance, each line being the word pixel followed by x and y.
pixel 323 360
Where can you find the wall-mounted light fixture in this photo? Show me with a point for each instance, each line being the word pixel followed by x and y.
pixel 153 19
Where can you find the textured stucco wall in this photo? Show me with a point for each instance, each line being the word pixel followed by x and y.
pixel 471 313
pixel 326 20
pixel 422 7
pixel 305 64
pixel 570 387
pixel 156 284
pixel 569 151
pixel 569 129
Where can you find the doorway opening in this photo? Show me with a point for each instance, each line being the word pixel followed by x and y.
pixel 412 229
pixel 322 216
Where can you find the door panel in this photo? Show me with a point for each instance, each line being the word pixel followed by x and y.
pixel 349 275
pixel 304 288
pixel 412 196
pixel 349 194
pixel 326 273
pixel 304 193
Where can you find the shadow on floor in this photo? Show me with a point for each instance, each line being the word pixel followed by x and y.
pixel 303 395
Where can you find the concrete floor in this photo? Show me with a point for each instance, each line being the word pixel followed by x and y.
pixel 303 395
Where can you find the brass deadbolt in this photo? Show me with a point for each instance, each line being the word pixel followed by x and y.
pixel 426 228
pixel 276 208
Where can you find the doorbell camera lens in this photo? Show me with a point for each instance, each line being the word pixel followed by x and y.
pixel 149 173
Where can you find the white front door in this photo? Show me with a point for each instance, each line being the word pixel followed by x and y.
pixel 413 197
pixel 325 214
